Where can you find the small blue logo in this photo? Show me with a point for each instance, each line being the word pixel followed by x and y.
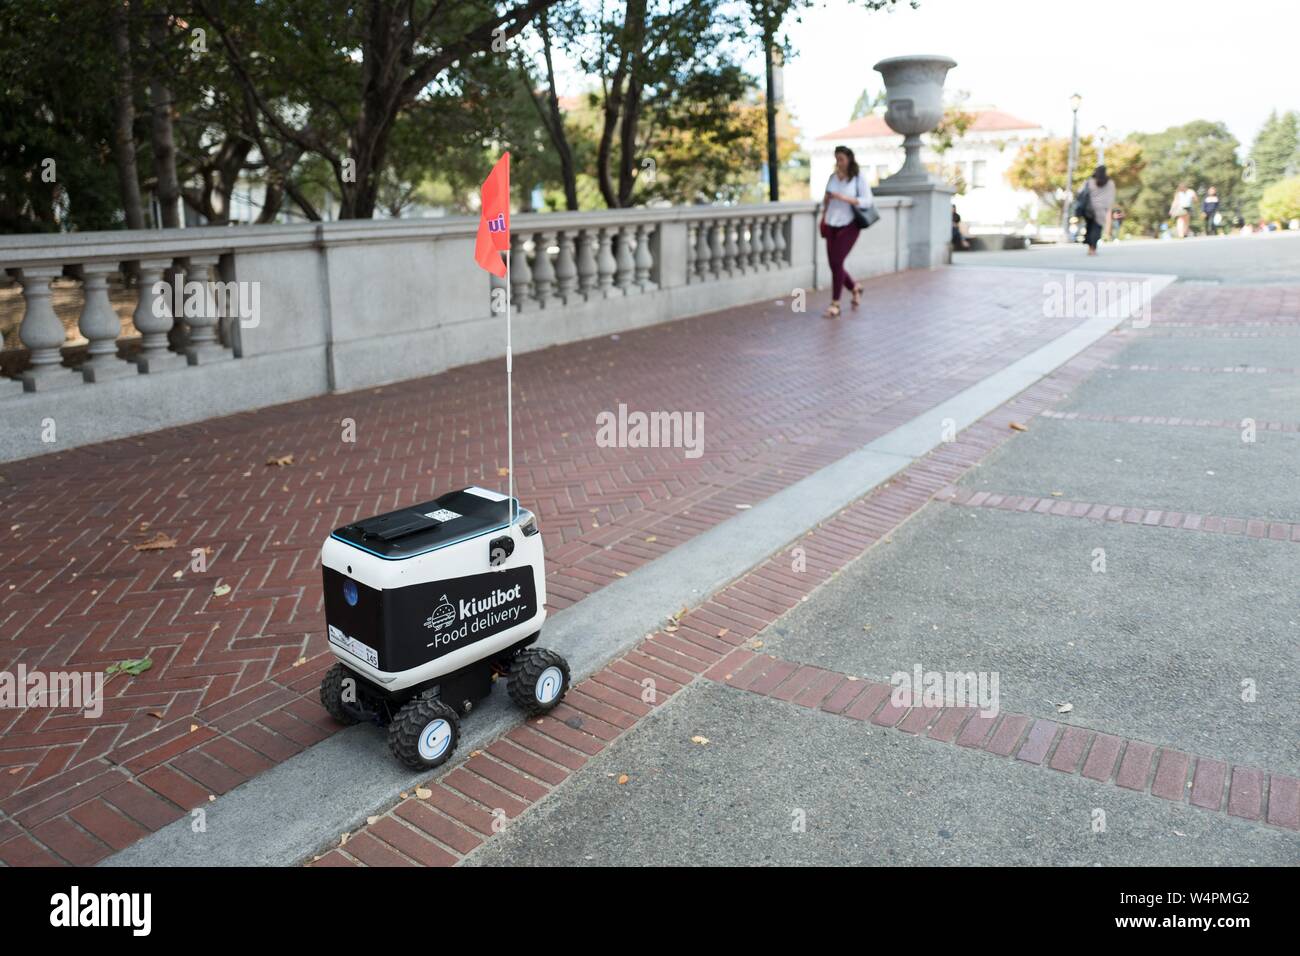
pixel 350 593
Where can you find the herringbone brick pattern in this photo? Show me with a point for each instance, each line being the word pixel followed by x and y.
pixel 232 687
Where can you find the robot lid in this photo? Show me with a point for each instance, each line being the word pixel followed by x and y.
pixel 454 517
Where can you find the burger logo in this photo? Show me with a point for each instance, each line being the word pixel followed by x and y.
pixel 442 615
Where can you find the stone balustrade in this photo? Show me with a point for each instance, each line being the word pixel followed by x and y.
pixel 232 319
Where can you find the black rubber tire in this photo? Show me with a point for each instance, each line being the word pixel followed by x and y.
pixel 408 726
pixel 331 695
pixel 526 670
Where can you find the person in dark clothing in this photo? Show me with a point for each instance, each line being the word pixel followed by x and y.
pixel 1210 207
pixel 959 241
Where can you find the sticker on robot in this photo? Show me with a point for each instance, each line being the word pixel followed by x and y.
pixel 442 514
pixel 354 647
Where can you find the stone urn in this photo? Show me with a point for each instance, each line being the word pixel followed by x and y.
pixel 914 93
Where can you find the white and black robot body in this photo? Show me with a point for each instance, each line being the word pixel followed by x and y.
pixel 430 599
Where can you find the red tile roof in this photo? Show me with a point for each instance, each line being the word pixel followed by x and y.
pixel 873 125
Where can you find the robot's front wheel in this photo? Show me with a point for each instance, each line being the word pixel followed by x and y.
pixel 538 680
pixel 424 733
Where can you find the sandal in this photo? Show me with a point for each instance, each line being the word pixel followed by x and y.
pixel 857 295
pixel 833 312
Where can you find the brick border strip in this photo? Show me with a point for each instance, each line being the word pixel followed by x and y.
pixel 1206 369
pixel 1165 772
pixel 1167 420
pixel 1262 528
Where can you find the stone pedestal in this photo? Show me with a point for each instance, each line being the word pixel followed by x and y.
pixel 929 226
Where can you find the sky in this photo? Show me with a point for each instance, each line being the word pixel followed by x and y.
pixel 1139 65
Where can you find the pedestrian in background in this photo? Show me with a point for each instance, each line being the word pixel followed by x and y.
pixel 1101 199
pixel 845 189
pixel 1116 222
pixel 1210 207
pixel 1181 209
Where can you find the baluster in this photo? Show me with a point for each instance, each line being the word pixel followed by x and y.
pixel 703 251
pixel 729 262
pixel 778 234
pixel 626 265
pixel 645 262
pixel 42 333
pixel 208 309
pixel 178 336
pixel 566 273
pixel 586 263
pixel 521 277
pixel 605 264
pixel 691 230
pixel 746 251
pixel 765 238
pixel 715 248
pixel 543 271
pixel 100 325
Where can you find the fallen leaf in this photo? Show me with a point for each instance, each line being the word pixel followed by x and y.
pixel 1016 426
pixel 156 713
pixel 221 590
pixel 503 472
pixel 212 798
pixel 280 461
pixel 622 779
pixel 621 574
pixel 343 840
pixel 299 662
pixel 158 542
pixel 697 739
pixel 371 821
pixel 723 632
pixel 178 575
pixel 193 727
pixel 652 539
pixel 424 793
pixel 671 629
pixel 403 794
pixel 14 770
pixel 1064 708
pixel 743 507
pixel 1057 494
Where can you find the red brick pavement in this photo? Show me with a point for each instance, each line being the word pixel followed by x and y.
pixel 232 689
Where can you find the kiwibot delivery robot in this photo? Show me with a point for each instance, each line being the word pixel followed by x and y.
pixel 425 608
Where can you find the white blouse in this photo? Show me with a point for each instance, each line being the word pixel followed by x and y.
pixel 838 212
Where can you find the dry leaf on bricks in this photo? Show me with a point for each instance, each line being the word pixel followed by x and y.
pixel 697 739
pixel 221 590
pixel 1016 426
pixel 279 461
pixel 159 542
pixel 623 778
pixel 424 793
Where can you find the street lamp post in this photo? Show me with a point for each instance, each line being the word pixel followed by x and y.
pixel 1075 100
pixel 1102 134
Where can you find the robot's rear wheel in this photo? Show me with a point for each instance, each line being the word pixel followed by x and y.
pixel 538 680
pixel 424 733
pixel 331 694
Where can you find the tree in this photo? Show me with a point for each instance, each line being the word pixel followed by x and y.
pixel 1041 166
pixel 372 63
pixel 1274 156
pixel 1200 154
pixel 1281 201
pixel 866 104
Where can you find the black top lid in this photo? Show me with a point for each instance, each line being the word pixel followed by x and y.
pixel 435 524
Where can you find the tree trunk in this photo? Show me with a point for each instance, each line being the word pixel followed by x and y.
pixel 556 126
pixel 128 176
pixel 773 163
pixel 164 142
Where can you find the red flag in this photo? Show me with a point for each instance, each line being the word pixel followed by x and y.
pixel 494 219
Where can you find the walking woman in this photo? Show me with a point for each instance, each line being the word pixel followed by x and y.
pixel 1101 198
pixel 845 189
pixel 1181 209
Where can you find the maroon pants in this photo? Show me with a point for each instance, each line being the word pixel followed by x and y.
pixel 838 244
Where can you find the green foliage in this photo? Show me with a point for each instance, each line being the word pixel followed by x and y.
pixel 1274 156
pixel 1200 154
pixel 1281 201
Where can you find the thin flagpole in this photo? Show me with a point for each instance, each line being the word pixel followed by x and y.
pixel 510 398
